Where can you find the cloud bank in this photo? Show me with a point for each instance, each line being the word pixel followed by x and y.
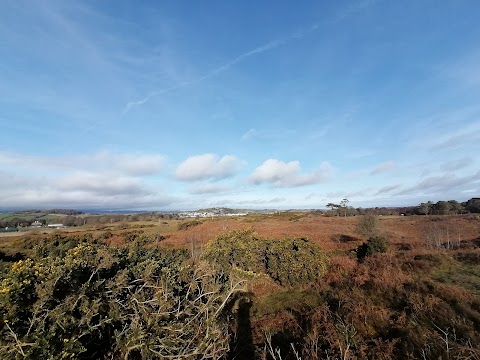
pixel 104 160
pixel 101 180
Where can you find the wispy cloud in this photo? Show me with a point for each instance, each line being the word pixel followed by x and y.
pixel 464 71
pixel 251 133
pixel 447 128
pixel 383 167
pixel 443 183
pixel 319 133
pixel 271 45
pixel 464 138
pixel 352 9
pixel 270 134
pixel 387 189
pixel 457 164
pixel 360 153
pixel 131 104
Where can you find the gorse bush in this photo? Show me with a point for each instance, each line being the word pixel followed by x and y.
pixel 374 245
pixel 287 261
pixel 96 302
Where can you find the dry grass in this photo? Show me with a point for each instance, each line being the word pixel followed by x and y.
pixel 331 233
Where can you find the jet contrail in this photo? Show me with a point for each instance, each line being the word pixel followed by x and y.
pixel 299 34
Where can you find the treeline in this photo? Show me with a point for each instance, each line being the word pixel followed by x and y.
pixel 113 218
pixel 15 222
pixel 52 211
pixel 450 207
pixel 80 220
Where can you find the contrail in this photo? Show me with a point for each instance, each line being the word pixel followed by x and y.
pixel 268 46
pixel 299 34
pixel 132 104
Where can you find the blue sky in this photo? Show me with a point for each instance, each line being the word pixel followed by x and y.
pixel 182 105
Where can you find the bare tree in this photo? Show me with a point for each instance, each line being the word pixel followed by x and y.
pixel 344 206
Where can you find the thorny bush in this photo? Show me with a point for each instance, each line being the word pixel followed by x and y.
pixel 94 301
pixel 288 262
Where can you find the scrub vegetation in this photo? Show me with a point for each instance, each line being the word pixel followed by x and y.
pixel 254 287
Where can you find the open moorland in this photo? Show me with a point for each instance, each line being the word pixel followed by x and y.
pixel 269 286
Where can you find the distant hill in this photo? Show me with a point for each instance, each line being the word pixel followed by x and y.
pixel 50 211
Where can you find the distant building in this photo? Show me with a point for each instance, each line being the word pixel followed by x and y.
pixel 8 229
pixel 56 226
pixel 36 223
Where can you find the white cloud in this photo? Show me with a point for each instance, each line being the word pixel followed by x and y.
pixel 209 188
pixel 288 174
pixel 11 182
pixel 101 184
pixel 208 166
pixel 383 167
pixel 133 164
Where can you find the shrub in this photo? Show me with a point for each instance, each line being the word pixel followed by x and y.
pixel 372 246
pixel 185 225
pixel 94 301
pixel 287 261
pixel 367 226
